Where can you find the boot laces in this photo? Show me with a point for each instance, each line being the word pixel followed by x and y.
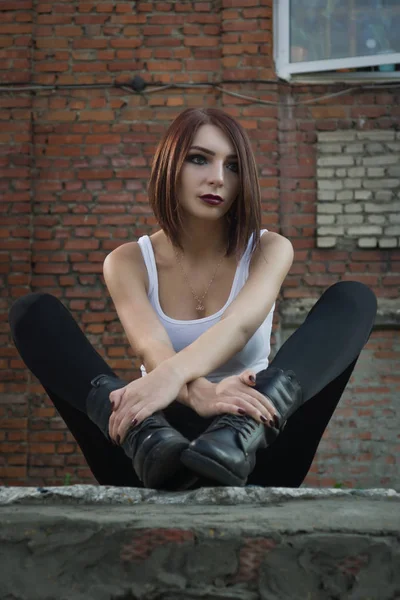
pixel 244 425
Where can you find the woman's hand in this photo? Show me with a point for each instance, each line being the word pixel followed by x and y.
pixel 140 399
pixel 233 395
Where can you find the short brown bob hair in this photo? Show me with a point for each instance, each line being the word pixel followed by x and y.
pixel 244 217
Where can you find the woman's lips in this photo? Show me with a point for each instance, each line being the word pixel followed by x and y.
pixel 211 201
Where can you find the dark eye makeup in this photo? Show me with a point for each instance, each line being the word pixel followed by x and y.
pixel 192 156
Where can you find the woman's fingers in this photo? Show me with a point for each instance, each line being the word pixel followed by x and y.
pixel 227 408
pixel 129 417
pixel 248 377
pixel 255 398
pixel 115 398
pixel 241 408
pixel 238 405
pixel 119 425
pixel 118 417
pixel 111 427
pixel 255 409
pixel 263 400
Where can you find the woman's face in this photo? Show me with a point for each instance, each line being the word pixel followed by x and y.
pixel 212 170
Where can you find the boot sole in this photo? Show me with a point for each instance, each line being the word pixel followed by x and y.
pixel 210 468
pixel 163 462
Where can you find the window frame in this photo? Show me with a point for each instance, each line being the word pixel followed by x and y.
pixel 288 70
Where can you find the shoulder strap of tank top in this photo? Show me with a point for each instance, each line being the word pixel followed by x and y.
pixel 247 252
pixel 245 262
pixel 150 262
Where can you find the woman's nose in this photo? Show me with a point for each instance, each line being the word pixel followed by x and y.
pixel 217 173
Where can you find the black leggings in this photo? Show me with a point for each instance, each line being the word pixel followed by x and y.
pixel 322 352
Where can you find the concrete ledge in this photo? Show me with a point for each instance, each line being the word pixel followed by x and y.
pixel 293 312
pixel 91 542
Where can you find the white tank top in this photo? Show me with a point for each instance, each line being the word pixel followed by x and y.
pixel 182 333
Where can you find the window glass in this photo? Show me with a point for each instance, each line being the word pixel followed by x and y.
pixel 331 29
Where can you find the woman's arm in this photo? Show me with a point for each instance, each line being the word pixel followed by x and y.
pixel 127 282
pixel 126 279
pixel 269 267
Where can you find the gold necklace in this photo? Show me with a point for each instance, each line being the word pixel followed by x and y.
pixel 200 306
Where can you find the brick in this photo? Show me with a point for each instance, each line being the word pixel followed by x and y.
pixel 375 148
pixel 363 195
pixel 380 208
pixel 382 160
pixel 381 183
pixel 376 219
pixel 68 30
pixel 329 231
pixel 326 196
pixel 379 172
pixel 344 196
pixel 365 230
pixel 327 112
pixel 381 136
pixel 394 171
pixel 367 242
pixel 325 219
pixel 330 148
pixel 384 195
pixel 53 66
pixel 349 219
pixel 352 184
pixel 353 148
pixel 337 136
pixel 42 448
pixel 335 161
pixel 356 172
pixel 17 472
pixel 327 185
pixel 390 231
pixel 329 208
pixel 46 436
pixel 395 146
pixel 387 242
pixel 323 173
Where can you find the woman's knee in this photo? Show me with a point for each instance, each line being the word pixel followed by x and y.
pixel 356 291
pixel 356 287
pixel 31 304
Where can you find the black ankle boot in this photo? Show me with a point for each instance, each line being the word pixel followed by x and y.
pixel 226 451
pixel 153 445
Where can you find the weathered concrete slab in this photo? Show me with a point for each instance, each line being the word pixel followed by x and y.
pixel 91 542
pixel 94 494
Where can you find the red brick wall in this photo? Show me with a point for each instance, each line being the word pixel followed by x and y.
pixel 74 164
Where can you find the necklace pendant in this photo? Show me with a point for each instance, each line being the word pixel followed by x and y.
pixel 199 306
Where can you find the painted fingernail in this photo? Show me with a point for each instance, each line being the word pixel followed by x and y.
pixel 252 378
pixel 276 421
pixel 134 422
pixel 271 424
pixel 263 419
pixel 241 411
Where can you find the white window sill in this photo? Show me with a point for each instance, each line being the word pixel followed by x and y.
pixel 346 77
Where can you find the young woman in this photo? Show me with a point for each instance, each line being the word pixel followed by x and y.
pixel 196 301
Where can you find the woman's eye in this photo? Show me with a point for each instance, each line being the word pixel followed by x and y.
pixel 193 156
pixel 202 158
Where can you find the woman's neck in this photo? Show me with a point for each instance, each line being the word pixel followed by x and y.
pixel 204 240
